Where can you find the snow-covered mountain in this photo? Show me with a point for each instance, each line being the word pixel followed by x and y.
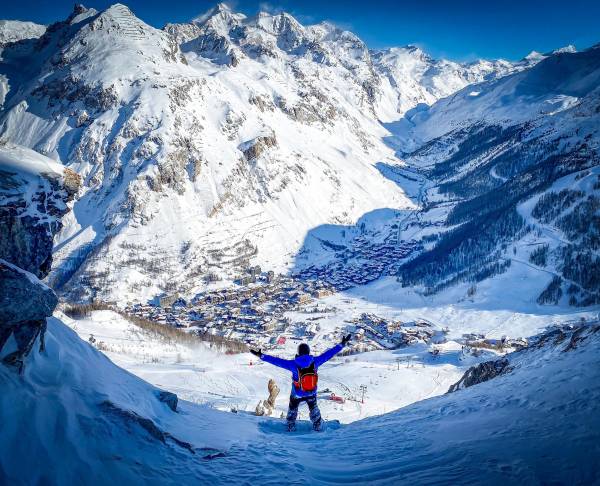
pixel 231 140
pixel 411 78
pixel 515 163
pixel 206 145
pixel 506 176
pixel 449 201
pixel 16 30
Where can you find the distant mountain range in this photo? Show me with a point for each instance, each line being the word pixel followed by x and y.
pixel 210 145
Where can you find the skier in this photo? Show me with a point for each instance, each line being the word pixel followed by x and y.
pixel 304 379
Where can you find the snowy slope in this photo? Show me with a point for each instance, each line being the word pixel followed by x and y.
pixel 79 418
pixel 496 157
pixel 411 78
pixel 206 376
pixel 16 30
pixel 247 131
pixel 254 156
pixel 561 81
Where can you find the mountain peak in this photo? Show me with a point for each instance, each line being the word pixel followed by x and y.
pixel 79 13
pixel 568 48
pixel 222 7
pixel 220 13
pixel 534 56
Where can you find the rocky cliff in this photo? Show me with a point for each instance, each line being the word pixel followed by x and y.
pixel 34 193
pixel 560 339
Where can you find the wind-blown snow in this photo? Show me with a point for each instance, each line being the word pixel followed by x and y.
pixel 69 419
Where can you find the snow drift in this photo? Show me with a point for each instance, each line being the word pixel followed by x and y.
pixel 76 417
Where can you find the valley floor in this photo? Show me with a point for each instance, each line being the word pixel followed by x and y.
pixel 393 378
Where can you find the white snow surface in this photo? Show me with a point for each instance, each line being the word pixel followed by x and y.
pixel 28 163
pixel 68 419
pixel 558 84
pixel 156 121
pixel 16 30
pixel 202 375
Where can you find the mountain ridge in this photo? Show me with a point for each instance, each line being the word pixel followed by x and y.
pixel 232 125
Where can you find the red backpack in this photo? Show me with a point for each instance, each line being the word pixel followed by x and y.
pixel 307 378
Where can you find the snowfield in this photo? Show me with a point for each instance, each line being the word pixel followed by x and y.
pixel 204 376
pixel 88 421
pixel 393 379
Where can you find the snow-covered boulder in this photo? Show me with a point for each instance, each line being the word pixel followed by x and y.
pixel 168 398
pixel 252 149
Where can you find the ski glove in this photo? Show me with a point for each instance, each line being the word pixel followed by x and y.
pixel 346 339
pixel 256 352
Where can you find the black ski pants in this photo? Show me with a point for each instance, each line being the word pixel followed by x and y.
pixel 311 401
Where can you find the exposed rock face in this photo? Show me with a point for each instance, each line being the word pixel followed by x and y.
pixel 22 296
pixel 31 206
pixel 480 373
pixel 254 148
pixel 169 398
pixel 34 191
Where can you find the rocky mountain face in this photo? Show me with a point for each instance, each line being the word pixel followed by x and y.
pixel 221 143
pixel 246 131
pixel 34 192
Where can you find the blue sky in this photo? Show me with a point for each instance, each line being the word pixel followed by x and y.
pixel 456 29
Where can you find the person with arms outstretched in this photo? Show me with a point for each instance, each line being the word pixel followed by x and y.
pixel 304 379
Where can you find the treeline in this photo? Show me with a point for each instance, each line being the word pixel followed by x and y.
pixel 553 292
pixel 475 142
pixel 474 182
pixel 488 222
pixel 533 180
pixel 169 334
pixel 583 223
pixel 467 253
pixel 551 204
pixel 539 256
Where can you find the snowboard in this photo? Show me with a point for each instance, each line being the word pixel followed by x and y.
pixel 303 427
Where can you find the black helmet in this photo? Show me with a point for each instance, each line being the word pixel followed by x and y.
pixel 303 349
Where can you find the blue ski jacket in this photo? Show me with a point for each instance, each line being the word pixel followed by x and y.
pixel 302 362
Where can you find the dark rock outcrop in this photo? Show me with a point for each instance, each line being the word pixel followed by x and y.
pixel 25 302
pixel 29 224
pixel 22 296
pixel 255 147
pixel 480 373
pixel 169 398
pixel 34 192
